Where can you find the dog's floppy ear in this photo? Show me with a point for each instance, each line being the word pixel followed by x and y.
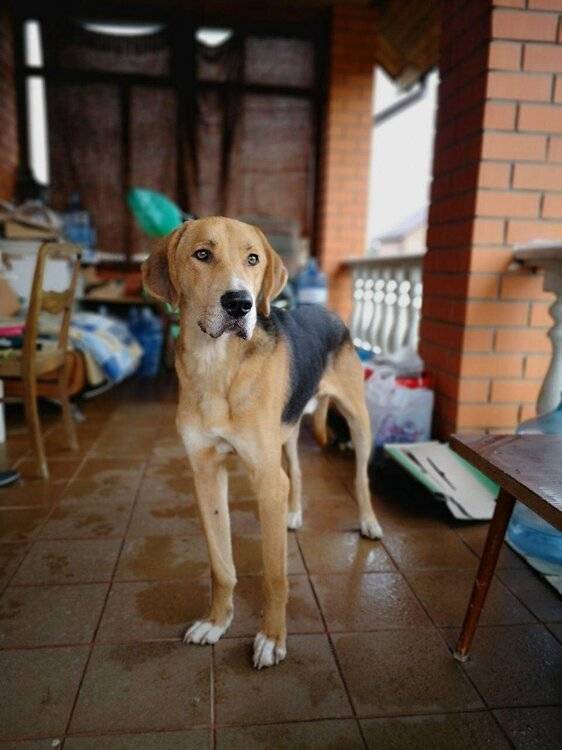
pixel 274 279
pixel 157 274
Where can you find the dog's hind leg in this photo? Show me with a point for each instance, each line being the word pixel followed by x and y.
pixel 346 387
pixel 294 517
pixel 211 489
pixel 319 421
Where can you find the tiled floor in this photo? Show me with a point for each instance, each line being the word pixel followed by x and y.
pixel 103 566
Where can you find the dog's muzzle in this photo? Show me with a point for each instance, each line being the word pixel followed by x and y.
pixel 236 314
pixel 237 303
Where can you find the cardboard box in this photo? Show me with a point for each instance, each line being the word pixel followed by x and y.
pixel 468 494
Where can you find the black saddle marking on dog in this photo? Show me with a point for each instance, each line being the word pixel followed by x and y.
pixel 313 333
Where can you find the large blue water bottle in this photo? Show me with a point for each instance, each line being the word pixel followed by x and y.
pixel 78 227
pixel 146 327
pixel 529 534
pixel 311 286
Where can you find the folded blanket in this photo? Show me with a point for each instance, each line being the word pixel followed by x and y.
pixel 107 344
pixel 108 341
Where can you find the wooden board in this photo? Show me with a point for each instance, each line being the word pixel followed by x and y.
pixel 529 467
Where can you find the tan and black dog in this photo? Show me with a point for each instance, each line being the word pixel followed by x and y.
pixel 246 372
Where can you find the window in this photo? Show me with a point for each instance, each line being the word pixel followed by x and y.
pixel 401 162
pixel 35 92
pixel 36 101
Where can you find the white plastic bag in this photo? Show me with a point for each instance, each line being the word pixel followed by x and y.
pixel 399 414
pixel 406 361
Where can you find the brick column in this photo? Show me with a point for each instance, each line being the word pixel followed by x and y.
pixel 8 119
pixel 497 180
pixel 346 147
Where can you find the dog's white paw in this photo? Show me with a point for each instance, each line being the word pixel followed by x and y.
pixel 204 631
pixel 371 529
pixel 266 652
pixel 294 520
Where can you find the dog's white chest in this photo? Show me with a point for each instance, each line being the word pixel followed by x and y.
pixel 211 356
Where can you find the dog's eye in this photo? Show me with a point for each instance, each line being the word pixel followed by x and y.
pixel 253 259
pixel 202 254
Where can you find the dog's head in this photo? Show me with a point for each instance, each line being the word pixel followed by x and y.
pixel 223 270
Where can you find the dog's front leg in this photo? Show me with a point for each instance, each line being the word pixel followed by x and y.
pixel 211 489
pixel 272 487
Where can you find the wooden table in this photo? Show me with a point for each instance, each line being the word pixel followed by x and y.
pixel 527 468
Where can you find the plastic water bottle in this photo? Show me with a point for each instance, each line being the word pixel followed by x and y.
pixel 78 227
pixel 528 532
pixel 311 285
pixel 146 327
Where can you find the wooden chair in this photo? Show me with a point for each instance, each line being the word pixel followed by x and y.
pixel 25 367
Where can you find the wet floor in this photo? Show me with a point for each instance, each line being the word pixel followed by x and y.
pixel 102 567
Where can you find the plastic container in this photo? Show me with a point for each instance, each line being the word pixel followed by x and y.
pixel 528 533
pixel 146 327
pixel 311 286
pixel 78 227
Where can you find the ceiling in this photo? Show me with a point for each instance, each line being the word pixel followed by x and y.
pixel 409 35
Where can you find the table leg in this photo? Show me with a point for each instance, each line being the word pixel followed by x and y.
pixel 494 541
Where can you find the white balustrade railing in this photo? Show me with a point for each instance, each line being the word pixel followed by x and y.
pixel 387 297
pixel 547 256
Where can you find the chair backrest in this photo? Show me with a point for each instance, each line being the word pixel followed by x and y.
pixel 42 300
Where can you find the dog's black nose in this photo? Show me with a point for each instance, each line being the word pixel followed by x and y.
pixel 237 304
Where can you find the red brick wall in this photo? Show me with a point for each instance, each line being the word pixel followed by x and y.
pixel 346 147
pixel 8 126
pixel 497 180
